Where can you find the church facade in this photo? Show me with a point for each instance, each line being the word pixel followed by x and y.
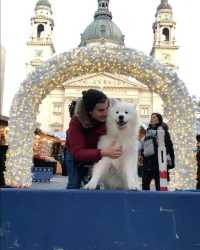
pixel 53 113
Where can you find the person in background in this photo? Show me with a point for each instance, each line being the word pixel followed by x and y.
pixel 150 152
pixel 141 136
pixel 198 161
pixel 71 107
pixel 2 139
pixel 85 129
pixel 67 158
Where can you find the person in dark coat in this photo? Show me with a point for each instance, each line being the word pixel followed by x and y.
pixel 71 110
pixel 150 152
pixel 198 161
pixel 85 129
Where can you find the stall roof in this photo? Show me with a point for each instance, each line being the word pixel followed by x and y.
pixel 47 136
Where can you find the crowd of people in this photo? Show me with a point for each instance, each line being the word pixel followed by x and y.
pixel 88 116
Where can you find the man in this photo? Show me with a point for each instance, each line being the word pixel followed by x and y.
pixel 85 128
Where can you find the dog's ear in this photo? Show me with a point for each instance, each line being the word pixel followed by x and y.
pixel 113 101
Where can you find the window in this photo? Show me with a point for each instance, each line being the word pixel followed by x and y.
pixel 144 111
pixel 57 108
pixel 103 28
pixel 40 30
pixel 165 33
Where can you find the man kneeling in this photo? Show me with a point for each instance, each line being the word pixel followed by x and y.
pixel 85 129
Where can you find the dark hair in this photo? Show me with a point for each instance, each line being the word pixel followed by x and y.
pixel 91 97
pixel 198 137
pixel 142 132
pixel 165 126
pixel 160 118
pixel 71 107
pixel 142 129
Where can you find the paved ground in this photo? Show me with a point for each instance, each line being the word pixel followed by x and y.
pixel 57 182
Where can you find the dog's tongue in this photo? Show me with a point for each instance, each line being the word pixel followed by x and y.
pixel 121 123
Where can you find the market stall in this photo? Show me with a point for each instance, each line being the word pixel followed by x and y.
pixel 48 151
pixel 3 146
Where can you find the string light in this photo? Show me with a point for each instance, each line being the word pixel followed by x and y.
pixel 178 107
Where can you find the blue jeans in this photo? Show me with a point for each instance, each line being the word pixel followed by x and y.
pixel 77 173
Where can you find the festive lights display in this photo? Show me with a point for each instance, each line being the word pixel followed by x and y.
pixel 178 106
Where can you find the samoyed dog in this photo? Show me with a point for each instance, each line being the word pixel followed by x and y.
pixel 122 130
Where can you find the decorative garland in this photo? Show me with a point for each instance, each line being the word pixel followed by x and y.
pixel 178 106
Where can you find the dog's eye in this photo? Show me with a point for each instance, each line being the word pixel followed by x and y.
pixel 126 112
pixel 117 112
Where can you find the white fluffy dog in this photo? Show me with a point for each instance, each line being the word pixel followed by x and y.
pixel 122 130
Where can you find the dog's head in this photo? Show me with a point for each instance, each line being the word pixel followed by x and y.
pixel 123 114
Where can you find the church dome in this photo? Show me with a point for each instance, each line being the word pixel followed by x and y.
pixel 43 3
pixel 102 28
pixel 164 5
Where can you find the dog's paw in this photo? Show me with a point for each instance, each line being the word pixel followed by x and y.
pixel 133 186
pixel 90 185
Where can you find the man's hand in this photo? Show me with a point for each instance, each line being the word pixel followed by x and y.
pixel 112 151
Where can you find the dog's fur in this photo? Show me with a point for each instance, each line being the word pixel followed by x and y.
pixel 122 130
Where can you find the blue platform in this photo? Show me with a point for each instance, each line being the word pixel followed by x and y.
pixel 99 220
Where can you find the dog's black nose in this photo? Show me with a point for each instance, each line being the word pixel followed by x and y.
pixel 121 117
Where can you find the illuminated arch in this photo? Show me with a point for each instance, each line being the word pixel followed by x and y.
pixel 178 107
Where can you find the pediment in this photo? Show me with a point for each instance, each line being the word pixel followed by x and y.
pixel 105 80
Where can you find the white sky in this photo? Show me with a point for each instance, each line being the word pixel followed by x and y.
pixel 71 17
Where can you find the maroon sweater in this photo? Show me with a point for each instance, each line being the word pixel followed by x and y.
pixel 82 142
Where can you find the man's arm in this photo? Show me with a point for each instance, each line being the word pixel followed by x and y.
pixel 77 145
